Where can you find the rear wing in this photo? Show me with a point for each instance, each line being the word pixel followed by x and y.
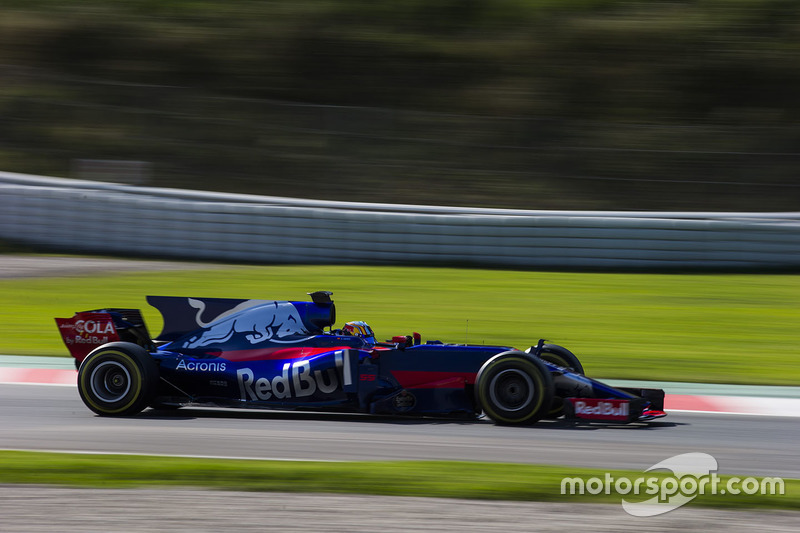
pixel 86 330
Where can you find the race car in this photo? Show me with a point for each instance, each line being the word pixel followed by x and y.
pixel 272 354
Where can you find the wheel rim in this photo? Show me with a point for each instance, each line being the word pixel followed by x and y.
pixel 110 381
pixel 512 390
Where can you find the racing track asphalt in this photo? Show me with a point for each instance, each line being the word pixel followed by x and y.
pixel 37 417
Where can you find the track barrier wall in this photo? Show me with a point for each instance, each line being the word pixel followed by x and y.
pixel 107 218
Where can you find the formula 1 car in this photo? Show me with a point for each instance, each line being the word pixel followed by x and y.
pixel 277 355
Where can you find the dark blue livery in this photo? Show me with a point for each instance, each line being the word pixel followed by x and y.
pixel 286 355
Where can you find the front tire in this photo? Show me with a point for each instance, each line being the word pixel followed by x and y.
pixel 514 388
pixel 558 355
pixel 117 379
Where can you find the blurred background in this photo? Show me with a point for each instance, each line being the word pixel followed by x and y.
pixel 645 105
pixel 539 104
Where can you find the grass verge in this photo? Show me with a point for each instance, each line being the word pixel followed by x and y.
pixel 723 328
pixel 443 479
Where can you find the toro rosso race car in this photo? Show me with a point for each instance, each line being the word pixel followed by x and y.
pixel 278 355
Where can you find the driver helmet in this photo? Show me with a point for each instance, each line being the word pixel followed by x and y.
pixel 359 328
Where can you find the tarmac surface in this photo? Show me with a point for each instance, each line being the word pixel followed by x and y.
pixel 38 417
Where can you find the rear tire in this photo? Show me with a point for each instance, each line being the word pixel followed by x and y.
pixel 117 379
pixel 514 388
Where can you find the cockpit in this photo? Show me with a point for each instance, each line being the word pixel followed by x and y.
pixel 359 328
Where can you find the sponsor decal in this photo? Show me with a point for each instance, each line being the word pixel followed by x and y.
pixel 405 401
pixel 269 322
pixel 94 327
pixel 296 380
pixel 92 339
pixel 201 366
pixel 94 331
pixel 597 409
pixel 87 327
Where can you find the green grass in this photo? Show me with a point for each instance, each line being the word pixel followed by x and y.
pixel 684 327
pixel 445 479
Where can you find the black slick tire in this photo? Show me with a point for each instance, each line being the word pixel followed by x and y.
pixel 558 355
pixel 514 388
pixel 117 379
